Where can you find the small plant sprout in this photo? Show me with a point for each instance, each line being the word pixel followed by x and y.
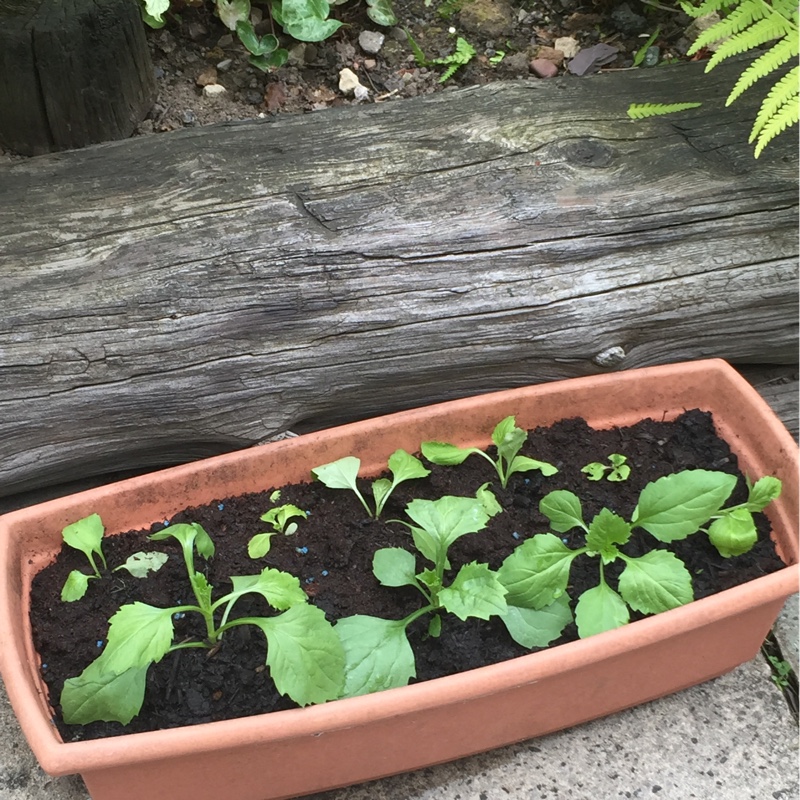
pixel 617 469
pixel 507 438
pixel 670 508
pixel 86 535
pixel 781 670
pixel 278 518
pixel 304 654
pixel 342 474
pixel 463 54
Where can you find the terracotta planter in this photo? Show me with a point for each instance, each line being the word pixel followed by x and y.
pixel 306 750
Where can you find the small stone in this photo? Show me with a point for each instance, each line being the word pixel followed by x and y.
pixel 371 41
pixel 610 357
pixel 297 55
pixel 491 19
pixel 196 31
pixel 568 46
pixel 225 64
pixel 370 63
pixel 551 54
pixel 348 81
pixel 213 90
pixel 399 35
pixel 158 73
pixel 543 68
pixel 627 21
pixel 206 77
pixel 516 64
pixel 225 41
pixel 188 117
pixel 253 98
pixel 652 56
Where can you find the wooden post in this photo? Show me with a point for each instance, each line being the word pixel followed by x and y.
pixel 72 73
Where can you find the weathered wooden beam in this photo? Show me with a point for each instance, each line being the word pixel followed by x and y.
pixel 175 296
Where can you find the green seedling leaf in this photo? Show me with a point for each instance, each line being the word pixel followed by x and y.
pixel 537 572
pixel 620 471
pixel 99 694
pixel 279 516
pixel 280 589
pixel 86 535
pixel 140 565
pixel 763 492
pixel 508 439
pixel 600 609
pixel 525 464
pixel 532 628
pixel 202 590
pixel 642 51
pixel 429 578
pixel 381 13
pixel 404 467
pixel 381 489
pixel 377 654
pixel 435 627
pixel 563 509
pixel 190 535
pixel 139 635
pixel 475 592
pixel 606 531
pixel 447 455
pixel 232 12
pixel 75 586
pixel 341 474
pixel 488 500
pixel 304 654
pixel 594 471
pixel 393 566
pixel 675 506
pixel 260 544
pixel 733 534
pixel 655 582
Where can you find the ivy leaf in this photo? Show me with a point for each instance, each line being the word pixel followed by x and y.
pixel 75 586
pixel 280 589
pixel 139 635
pixel 475 592
pixel 600 609
pixel 305 20
pixel 393 566
pixel 232 12
pixel 537 572
pixel 563 509
pixel 141 564
pixel 377 653
pixel 99 694
pixel 675 506
pixel 733 534
pixel 381 12
pixel 537 628
pixel 304 654
pixel 655 582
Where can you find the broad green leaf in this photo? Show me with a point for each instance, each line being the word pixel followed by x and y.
pixel 304 654
pixel 537 572
pixel 381 13
pixel 190 535
pixel 600 609
pixel 75 586
pixel 448 518
pixel 525 464
pixel 675 506
pixel 475 592
pixel 86 535
pixel 488 500
pixel 232 12
pixel 605 531
pixel 306 20
pixel 141 564
pixel 655 582
pixel 447 455
pixel 594 471
pixel 260 544
pixel 249 38
pixel 99 694
pixel 280 515
pixel 154 10
pixel 508 438
pixel 277 58
pixel 280 589
pixel 733 534
pixel 377 654
pixel 339 474
pixel 427 544
pixel 405 467
pixel 763 492
pixel 563 509
pixel 532 628
pixel 138 635
pixel 393 566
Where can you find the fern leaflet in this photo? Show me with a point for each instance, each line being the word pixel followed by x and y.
pixel 642 110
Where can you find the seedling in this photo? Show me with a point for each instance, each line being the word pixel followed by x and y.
pixel 278 518
pixel 265 52
pixel 342 474
pixel 781 670
pixel 617 469
pixel 304 654
pixel 86 535
pixel 670 508
pixel 463 54
pixel 638 59
pixel 507 438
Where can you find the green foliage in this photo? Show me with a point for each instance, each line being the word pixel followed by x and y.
pixel 507 438
pixel 463 54
pixel 449 8
pixel 752 24
pixel 642 51
pixel 304 654
pixel 617 469
pixel 643 110
pixel 781 671
pixel 278 518
pixel 342 474
pixel 381 12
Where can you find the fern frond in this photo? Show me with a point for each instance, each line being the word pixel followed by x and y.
pixel 765 30
pixel 643 110
pixel 784 118
pixel 744 15
pixel 764 65
pixel 785 91
pixel 704 9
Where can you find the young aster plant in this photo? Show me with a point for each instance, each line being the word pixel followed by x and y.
pixel 342 474
pixel 304 654
pixel 508 439
pixel 86 535
pixel 671 508
pixel 279 518
pixel 617 469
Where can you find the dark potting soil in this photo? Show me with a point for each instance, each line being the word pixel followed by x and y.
pixel 331 554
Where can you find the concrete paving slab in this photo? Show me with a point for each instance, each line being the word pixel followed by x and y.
pixel 729 739
pixel 787 632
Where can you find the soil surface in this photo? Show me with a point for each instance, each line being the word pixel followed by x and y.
pixel 331 553
pixel 511 41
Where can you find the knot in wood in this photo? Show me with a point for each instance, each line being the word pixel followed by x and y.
pixel 587 153
pixel 610 357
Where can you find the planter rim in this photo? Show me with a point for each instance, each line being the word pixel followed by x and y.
pixel 59 758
